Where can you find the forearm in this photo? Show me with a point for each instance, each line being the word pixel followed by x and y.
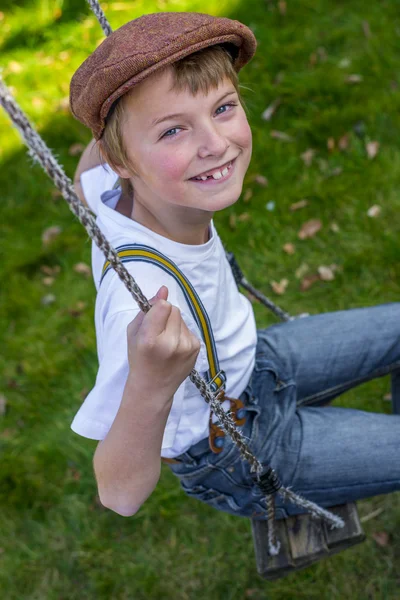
pixel 127 462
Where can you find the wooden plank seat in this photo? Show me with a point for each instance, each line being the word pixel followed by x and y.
pixel 304 541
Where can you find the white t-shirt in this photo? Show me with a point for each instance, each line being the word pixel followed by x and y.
pixel 207 269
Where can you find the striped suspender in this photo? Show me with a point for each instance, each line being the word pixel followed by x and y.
pixel 215 376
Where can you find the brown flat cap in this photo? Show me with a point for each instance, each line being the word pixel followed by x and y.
pixel 140 47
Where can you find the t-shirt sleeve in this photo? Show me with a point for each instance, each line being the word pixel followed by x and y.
pixel 98 411
pixel 95 182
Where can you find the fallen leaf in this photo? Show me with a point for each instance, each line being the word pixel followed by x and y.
pixel 381 538
pixel 309 229
pixel 308 156
pixel 302 270
pixel 366 29
pixel 334 172
pixel 326 273
pixel 51 271
pixel 289 248
pixel 48 280
pixel 50 234
pixel 3 405
pixel 343 142
pixel 354 78
pixel 344 63
pixel 334 227
pixel 298 205
pixel 281 135
pixel 330 144
pixel 244 217
pixel 268 112
pixel 372 149
pixel 374 211
pixel 49 299
pixel 388 397
pixel 76 149
pixel 232 221
pixel 261 180
pixel 279 287
pixel 308 281
pixel 247 195
pixel 82 269
pixel 282 7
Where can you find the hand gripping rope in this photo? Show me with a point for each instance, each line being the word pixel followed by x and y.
pixel 264 476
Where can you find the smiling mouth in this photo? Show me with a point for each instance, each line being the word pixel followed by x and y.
pixel 218 173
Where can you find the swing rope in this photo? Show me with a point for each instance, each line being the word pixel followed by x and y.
pixel 264 476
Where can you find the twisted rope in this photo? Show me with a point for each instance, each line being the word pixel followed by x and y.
pixel 39 152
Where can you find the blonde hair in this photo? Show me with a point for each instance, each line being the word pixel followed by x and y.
pixel 200 71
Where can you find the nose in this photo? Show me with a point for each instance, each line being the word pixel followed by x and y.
pixel 213 142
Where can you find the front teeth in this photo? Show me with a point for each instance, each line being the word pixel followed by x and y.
pixel 217 174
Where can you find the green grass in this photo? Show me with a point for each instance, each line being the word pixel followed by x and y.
pixel 56 541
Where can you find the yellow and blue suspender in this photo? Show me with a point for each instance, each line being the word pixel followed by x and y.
pixel 139 252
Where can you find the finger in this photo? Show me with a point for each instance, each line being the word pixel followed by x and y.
pixel 135 325
pixel 156 319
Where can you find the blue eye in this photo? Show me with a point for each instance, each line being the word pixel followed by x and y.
pixel 170 132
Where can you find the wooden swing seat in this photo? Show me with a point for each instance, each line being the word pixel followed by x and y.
pixel 304 541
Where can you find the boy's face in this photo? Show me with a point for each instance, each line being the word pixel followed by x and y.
pixel 208 132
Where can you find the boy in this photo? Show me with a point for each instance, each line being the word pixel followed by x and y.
pixel 174 129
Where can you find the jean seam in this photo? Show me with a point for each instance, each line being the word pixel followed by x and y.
pixel 349 485
pixel 353 382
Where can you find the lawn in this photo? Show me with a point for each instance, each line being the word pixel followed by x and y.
pixel 331 69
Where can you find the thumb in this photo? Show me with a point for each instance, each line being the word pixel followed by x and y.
pixel 162 293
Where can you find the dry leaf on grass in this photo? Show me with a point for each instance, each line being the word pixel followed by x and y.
pixel 302 270
pixel 308 281
pixel 366 29
pixel 82 269
pixel 330 144
pixel 281 135
pixel 232 221
pixel 244 217
pixel 48 280
pixel 309 229
pixel 51 271
pixel 344 142
pixel 307 156
pixel 326 273
pixel 388 397
pixel 334 227
pixel 268 112
pixel 289 248
pixel 381 538
pixel 298 205
pixel 48 299
pixel 282 7
pixel 279 287
pixel 3 405
pixel 247 195
pixel 374 211
pixel 261 180
pixel 354 78
pixel 372 149
pixel 76 149
pixel 50 234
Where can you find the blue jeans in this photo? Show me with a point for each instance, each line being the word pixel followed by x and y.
pixel 330 455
